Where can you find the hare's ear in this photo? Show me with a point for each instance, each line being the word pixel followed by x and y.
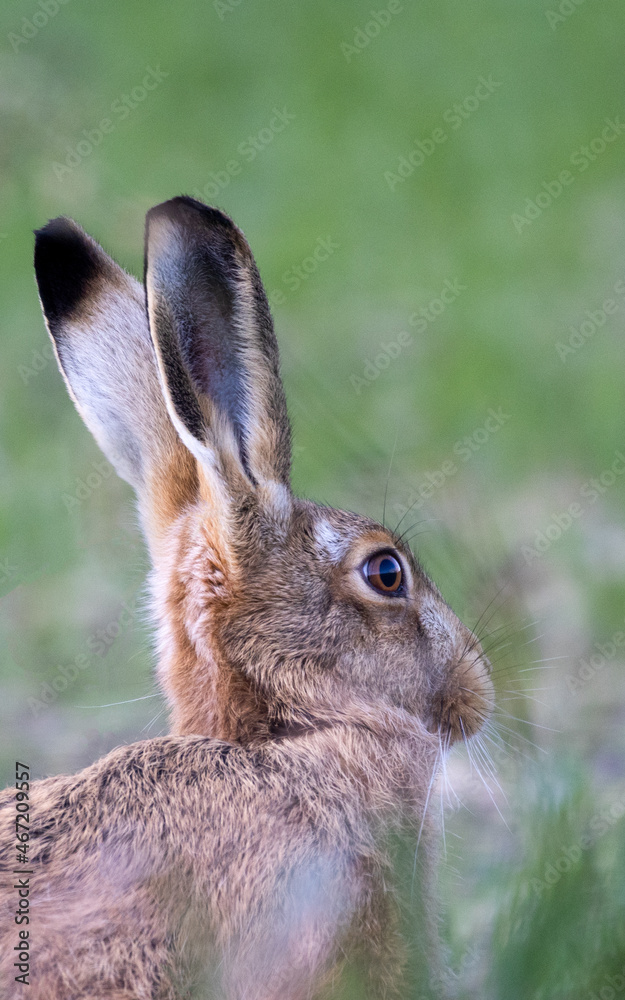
pixel 95 314
pixel 216 348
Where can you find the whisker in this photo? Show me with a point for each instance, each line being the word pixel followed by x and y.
pixel 534 638
pixel 524 690
pixel 128 701
pixel 518 695
pixel 481 776
pixel 492 650
pixel 512 670
pixel 448 787
pixel 491 727
pixel 486 731
pixel 489 606
pixel 409 541
pixel 440 744
pixel 487 762
pixel 501 668
pixel 424 520
pixel 547 660
pixel 526 721
pixel 513 632
pixel 405 514
pixel 155 719
pixel 389 475
pixel 509 633
pixel 425 809
pixel 483 621
pixel 519 736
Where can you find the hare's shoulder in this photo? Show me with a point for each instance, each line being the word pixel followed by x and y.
pixel 146 778
pixel 160 793
pixel 187 796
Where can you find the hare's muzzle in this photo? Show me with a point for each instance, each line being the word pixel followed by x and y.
pixel 466 697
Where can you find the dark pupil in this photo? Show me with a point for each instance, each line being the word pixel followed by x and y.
pixel 388 572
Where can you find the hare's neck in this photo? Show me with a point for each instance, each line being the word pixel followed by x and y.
pixel 387 763
pixel 206 697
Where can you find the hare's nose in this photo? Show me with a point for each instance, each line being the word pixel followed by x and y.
pixel 466 699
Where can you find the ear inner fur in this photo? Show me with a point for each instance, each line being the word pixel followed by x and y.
pixel 95 314
pixel 200 265
pixel 175 377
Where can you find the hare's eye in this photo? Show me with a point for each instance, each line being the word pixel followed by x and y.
pixel 384 573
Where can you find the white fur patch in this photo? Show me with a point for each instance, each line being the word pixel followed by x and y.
pixel 329 541
pixel 277 496
pixel 436 622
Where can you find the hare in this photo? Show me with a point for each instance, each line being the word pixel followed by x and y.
pixel 315 674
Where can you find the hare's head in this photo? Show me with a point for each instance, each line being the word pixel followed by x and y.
pixel 272 611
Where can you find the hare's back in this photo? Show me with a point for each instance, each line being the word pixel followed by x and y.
pixel 167 848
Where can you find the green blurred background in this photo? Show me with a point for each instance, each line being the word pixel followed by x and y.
pixel 380 373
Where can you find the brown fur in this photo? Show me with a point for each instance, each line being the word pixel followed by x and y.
pixel 168 853
pixel 310 711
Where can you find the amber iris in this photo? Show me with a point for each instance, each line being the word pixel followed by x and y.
pixel 384 573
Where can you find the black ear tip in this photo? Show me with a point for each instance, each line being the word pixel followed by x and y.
pixel 66 262
pixel 187 211
pixel 51 238
pixel 58 227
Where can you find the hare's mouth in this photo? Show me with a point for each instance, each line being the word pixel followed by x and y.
pixel 463 706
